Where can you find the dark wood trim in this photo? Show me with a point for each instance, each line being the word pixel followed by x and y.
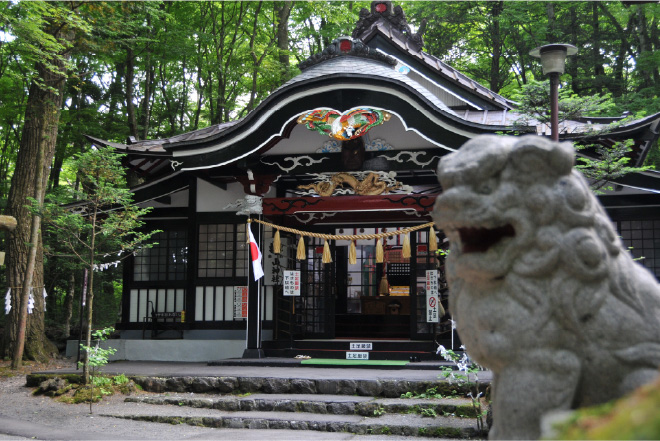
pixel 155 213
pixel 640 201
pixel 293 205
pixel 413 287
pixel 633 213
pixel 192 250
pixel 166 186
pixel 127 278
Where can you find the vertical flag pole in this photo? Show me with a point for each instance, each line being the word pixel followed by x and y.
pixel 253 349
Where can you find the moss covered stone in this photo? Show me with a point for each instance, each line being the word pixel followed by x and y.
pixel 636 416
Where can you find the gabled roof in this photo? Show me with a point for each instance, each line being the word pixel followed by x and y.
pixel 340 82
pixel 390 23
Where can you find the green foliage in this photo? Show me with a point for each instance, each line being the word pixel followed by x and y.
pixel 120 380
pixel 81 224
pixel 100 381
pixel 534 104
pixel 428 412
pixel 636 416
pixel 431 392
pixel 379 411
pixel 601 164
pixel 96 357
pixel 611 163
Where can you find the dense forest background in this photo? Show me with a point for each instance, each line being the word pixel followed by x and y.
pixel 154 69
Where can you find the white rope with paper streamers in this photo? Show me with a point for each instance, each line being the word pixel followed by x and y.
pixel 30 302
pixel 8 301
pixel 105 266
pixel 379 255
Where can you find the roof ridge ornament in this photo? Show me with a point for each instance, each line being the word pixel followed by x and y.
pixel 394 18
pixel 343 46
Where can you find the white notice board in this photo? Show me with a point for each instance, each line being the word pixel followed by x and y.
pixel 432 299
pixel 240 301
pixel 291 283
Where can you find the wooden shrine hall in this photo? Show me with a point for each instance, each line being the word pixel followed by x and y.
pixel 340 164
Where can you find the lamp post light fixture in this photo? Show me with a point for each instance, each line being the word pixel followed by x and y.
pixel 553 60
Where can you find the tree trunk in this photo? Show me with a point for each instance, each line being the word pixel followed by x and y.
pixel 28 287
pixel 644 47
pixel 572 68
pixel 115 92
pixel 61 147
pixel 255 60
pixel 130 106
pixel 655 41
pixel 496 39
pixel 90 296
pixel 68 305
pixel 283 12
pixel 42 116
pixel 551 33
pixel 599 71
pixel 617 85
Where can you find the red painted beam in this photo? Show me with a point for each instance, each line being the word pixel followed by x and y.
pixel 394 202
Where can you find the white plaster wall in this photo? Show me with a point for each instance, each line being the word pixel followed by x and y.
pixel 212 198
pixel 168 350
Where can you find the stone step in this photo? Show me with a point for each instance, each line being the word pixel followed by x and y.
pixel 386 424
pixel 388 388
pixel 320 404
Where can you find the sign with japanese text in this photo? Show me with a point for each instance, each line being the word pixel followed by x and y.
pixel 240 301
pixel 357 356
pixel 291 283
pixel 432 296
pixel 361 346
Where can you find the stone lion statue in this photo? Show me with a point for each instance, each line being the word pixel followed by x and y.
pixel 541 288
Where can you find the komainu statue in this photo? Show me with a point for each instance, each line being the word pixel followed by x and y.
pixel 541 288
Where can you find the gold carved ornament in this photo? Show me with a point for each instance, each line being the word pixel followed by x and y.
pixel 369 186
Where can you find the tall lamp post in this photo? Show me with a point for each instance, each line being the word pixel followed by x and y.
pixel 553 60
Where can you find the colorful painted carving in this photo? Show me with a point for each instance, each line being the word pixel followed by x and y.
pixel 343 126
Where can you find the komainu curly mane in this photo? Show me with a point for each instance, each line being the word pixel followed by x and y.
pixel 541 288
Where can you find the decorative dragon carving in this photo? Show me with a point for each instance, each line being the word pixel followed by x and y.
pixel 371 185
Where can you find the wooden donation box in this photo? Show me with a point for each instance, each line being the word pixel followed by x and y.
pixel 385 305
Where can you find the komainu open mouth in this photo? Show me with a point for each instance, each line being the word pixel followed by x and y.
pixel 479 240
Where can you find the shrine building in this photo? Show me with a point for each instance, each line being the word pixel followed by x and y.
pixel 349 147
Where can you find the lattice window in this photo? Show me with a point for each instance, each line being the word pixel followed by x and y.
pixel 166 260
pixel 222 250
pixel 643 240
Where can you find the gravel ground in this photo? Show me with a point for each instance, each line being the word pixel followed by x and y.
pixel 26 416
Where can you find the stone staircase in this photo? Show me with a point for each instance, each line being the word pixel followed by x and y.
pixel 359 407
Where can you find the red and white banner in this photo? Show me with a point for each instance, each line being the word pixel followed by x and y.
pixel 255 253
